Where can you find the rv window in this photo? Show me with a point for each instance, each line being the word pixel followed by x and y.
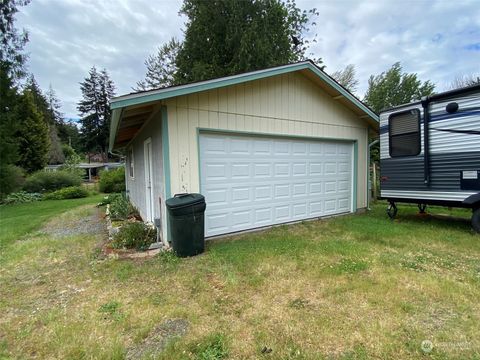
pixel 404 132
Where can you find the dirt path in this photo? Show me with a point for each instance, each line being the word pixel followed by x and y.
pixel 81 221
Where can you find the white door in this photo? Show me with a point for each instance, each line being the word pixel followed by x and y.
pixel 147 151
pixel 252 181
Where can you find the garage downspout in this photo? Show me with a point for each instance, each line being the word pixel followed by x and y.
pixel 368 172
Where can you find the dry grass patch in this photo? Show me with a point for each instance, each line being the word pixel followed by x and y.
pixel 354 287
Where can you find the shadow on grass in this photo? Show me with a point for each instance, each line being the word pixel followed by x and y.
pixel 439 221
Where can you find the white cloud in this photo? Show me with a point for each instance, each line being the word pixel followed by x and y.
pixel 436 39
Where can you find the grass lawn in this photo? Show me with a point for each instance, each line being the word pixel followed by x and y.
pixel 352 287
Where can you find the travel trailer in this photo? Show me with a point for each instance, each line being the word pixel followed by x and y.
pixel 430 152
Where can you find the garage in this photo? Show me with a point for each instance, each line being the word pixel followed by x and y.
pixel 255 181
pixel 266 147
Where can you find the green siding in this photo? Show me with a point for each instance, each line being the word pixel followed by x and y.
pixel 355 174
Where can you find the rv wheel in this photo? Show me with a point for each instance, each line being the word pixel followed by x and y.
pixel 476 220
pixel 392 210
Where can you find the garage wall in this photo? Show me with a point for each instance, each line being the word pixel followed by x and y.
pixel 136 185
pixel 288 104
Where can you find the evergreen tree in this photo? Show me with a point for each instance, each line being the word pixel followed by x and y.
pixel 55 151
pixel 161 67
pixel 67 130
pixel 12 43
pixel 53 106
pixel 32 134
pixel 8 124
pixel 69 134
pixel 97 90
pixel 12 68
pixel 393 87
pixel 225 37
pixel 48 106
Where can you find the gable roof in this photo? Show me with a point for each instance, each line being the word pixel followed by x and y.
pixel 121 102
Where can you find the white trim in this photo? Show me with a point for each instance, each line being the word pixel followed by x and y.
pixel 131 163
pixel 148 164
pixel 428 195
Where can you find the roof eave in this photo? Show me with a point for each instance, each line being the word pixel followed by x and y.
pixel 118 103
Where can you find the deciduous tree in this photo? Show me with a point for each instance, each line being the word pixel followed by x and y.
pixel 394 87
pixel 347 78
pixel 461 81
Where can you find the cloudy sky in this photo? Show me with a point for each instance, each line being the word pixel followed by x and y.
pixel 439 40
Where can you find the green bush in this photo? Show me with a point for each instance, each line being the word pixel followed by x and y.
pixel 112 181
pixel 121 208
pixel 107 199
pixel 43 181
pixel 21 197
pixel 11 179
pixel 134 235
pixel 71 192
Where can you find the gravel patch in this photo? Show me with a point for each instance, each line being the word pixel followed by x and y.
pixel 158 338
pixel 82 225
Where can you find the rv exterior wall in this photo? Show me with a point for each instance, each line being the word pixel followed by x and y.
pixel 285 105
pixel 453 149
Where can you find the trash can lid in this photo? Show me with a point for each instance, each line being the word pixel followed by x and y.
pixel 182 200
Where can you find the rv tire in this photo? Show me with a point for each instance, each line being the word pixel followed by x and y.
pixel 476 220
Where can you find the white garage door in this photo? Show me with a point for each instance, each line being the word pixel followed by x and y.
pixel 253 181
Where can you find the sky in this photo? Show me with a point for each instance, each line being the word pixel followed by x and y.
pixel 438 40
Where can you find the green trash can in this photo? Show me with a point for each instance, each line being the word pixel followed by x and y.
pixel 187 223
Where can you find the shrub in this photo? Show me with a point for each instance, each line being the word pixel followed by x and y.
pixel 11 179
pixel 121 208
pixel 107 199
pixel 21 197
pixel 43 181
pixel 134 235
pixel 71 192
pixel 112 181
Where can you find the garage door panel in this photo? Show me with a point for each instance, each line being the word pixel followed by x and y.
pixel 217 197
pixel 252 182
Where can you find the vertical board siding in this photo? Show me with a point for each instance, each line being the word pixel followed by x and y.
pixel 288 104
pixel 136 186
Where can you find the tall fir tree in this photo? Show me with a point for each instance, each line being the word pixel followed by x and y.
pixel 161 67
pixel 8 124
pixel 97 90
pixel 49 110
pixel 38 98
pixel 67 130
pixel 225 37
pixel 54 106
pixel 32 134
pixel 55 151
pixel 12 68
pixel 12 55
